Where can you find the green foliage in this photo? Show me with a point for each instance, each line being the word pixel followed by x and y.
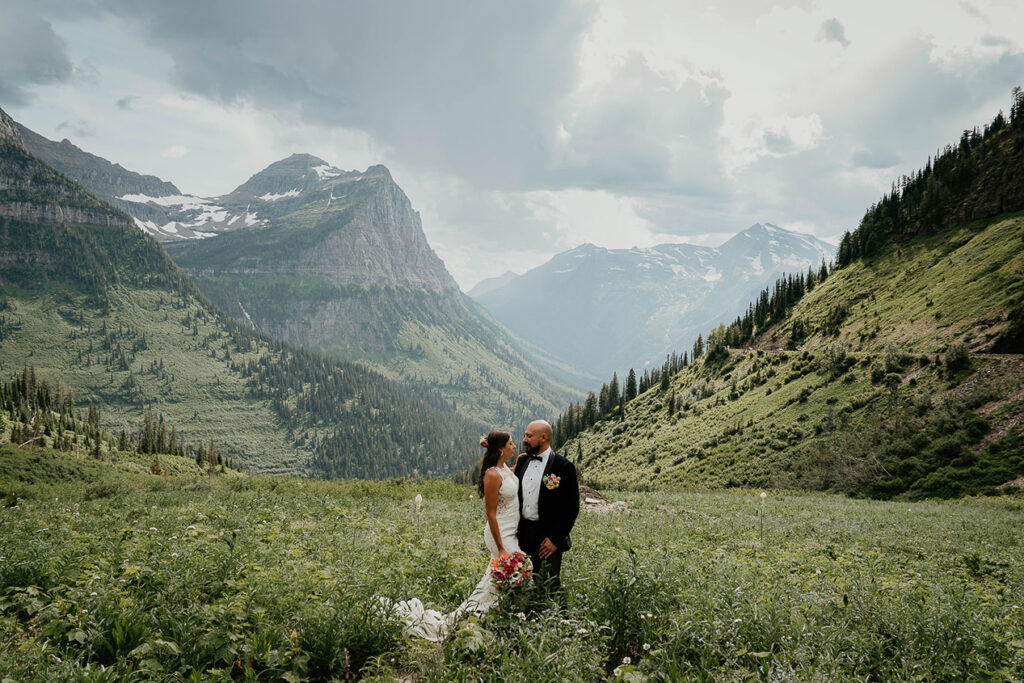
pixel 956 359
pixel 279 579
pixel 1011 339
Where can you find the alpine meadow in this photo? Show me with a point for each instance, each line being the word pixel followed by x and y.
pixel 238 430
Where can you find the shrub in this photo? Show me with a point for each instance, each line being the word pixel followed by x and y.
pixel 956 359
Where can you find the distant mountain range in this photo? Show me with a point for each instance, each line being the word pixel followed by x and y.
pixel 336 261
pixel 610 309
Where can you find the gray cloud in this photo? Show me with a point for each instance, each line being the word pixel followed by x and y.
pixel 915 110
pixel 472 89
pixel 127 102
pixel 31 54
pixel 643 133
pixel 834 31
pixel 78 129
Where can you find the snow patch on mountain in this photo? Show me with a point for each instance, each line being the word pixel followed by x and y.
pixel 186 202
pixel 269 197
pixel 326 172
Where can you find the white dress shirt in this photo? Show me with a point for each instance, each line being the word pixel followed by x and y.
pixel 531 485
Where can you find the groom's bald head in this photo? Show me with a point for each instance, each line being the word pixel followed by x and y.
pixel 538 436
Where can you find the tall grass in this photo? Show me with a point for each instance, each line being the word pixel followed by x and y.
pixel 279 579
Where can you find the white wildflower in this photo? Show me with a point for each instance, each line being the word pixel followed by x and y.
pixel 627 660
pixel 419 501
pixel 152 528
pixel 647 646
pixel 763 495
pixel 617 672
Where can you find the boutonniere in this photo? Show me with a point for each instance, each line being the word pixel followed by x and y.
pixel 551 482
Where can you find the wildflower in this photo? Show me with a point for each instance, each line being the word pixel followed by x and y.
pixel 627 660
pixel 650 616
pixel 737 621
pixel 763 495
pixel 174 554
pixel 582 631
pixel 647 646
pixel 152 528
pixel 94 594
pixel 617 672
pixel 522 616
pixel 419 501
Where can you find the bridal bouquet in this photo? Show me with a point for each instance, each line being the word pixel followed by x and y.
pixel 513 573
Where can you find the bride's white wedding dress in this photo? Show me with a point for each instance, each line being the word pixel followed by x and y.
pixel 434 625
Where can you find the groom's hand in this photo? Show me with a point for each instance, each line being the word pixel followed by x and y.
pixel 547 549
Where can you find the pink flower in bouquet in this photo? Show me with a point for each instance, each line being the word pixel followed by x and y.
pixel 514 572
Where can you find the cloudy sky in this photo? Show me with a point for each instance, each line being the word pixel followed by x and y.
pixel 523 129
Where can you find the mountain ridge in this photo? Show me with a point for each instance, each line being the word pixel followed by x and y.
pixel 103 308
pixel 610 309
pixel 337 260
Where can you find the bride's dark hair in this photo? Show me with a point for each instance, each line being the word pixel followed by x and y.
pixel 494 442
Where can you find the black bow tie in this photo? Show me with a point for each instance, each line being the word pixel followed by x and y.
pixel 534 457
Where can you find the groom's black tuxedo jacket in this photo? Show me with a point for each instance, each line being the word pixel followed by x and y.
pixel 557 508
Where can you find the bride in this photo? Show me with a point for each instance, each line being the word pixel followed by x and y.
pixel 499 488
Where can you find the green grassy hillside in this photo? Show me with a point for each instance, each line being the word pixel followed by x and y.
pixel 154 361
pixel 117 575
pixel 894 403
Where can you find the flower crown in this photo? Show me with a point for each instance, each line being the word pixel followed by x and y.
pixel 483 441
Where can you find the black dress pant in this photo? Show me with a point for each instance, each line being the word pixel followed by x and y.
pixel 547 572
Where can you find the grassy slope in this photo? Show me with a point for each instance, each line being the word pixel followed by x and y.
pixel 933 291
pixel 925 293
pixel 172 577
pixel 196 391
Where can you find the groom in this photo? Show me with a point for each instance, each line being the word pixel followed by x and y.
pixel 549 501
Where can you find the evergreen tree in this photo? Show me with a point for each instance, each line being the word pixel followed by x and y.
pixel 630 386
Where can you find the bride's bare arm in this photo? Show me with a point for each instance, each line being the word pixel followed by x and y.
pixel 492 482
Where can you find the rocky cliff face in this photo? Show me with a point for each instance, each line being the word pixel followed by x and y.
pixel 32 192
pixel 352 229
pixel 9 131
pixel 341 264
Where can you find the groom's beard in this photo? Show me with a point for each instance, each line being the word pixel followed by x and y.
pixel 530 450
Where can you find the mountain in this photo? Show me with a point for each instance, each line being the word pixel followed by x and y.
pixel 608 309
pixel 337 261
pixel 342 265
pixel 491 284
pixel 900 373
pixel 89 300
pixel 98 176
